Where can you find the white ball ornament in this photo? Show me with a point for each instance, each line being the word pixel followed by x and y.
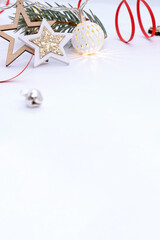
pixel 88 38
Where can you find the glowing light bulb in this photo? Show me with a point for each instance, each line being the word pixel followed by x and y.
pixel 87 38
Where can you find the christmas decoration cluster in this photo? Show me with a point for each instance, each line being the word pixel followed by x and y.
pixel 44 39
pixel 47 29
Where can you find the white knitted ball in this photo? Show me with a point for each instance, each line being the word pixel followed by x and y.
pixel 88 38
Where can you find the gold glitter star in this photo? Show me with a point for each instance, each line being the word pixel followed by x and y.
pixel 48 43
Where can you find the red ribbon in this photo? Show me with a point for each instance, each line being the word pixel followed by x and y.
pixel 79 3
pixel 8 80
pixel 140 19
pixel 7 3
pixel 133 22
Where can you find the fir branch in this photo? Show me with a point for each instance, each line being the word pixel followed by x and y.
pixel 66 21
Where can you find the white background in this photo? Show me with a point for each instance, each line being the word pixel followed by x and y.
pixel 87 164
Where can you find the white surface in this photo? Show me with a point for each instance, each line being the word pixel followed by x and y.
pixel 87 164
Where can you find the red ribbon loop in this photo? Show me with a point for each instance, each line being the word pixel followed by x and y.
pixel 140 19
pixel 132 21
pixel 7 3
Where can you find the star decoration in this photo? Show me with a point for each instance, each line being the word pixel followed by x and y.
pixel 19 11
pixel 47 43
pixel 48 46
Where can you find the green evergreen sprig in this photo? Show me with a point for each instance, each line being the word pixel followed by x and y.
pixel 66 21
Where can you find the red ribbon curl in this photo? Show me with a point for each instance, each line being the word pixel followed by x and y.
pixel 140 20
pixel 133 22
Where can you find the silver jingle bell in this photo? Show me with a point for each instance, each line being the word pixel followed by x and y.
pixel 33 98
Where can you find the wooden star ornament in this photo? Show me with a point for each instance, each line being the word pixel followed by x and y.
pixel 48 43
pixel 19 11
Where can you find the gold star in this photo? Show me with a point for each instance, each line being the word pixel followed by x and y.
pixel 48 43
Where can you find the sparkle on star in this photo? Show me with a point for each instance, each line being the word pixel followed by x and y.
pixel 48 43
